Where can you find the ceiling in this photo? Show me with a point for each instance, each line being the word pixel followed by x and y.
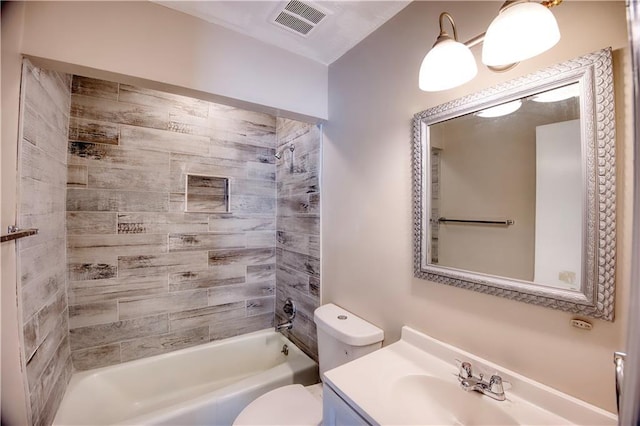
pixel 345 25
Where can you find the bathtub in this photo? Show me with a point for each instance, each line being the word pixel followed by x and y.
pixel 206 384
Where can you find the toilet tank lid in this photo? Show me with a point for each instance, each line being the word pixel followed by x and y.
pixel 351 330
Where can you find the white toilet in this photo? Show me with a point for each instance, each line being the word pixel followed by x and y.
pixel 342 337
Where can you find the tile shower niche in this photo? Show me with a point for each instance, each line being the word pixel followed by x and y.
pixel 206 194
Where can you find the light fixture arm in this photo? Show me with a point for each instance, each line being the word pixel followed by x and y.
pixel 443 34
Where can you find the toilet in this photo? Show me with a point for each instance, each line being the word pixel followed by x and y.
pixel 342 337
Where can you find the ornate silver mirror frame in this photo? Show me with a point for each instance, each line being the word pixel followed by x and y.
pixel 595 297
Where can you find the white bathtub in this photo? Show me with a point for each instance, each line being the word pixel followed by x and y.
pixel 207 384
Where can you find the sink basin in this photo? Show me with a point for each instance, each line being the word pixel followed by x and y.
pixel 428 400
pixel 414 382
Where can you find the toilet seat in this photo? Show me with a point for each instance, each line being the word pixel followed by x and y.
pixel 288 405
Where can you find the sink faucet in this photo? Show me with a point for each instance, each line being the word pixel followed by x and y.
pixel 493 388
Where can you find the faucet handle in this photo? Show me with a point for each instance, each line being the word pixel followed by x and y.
pixel 465 371
pixel 495 385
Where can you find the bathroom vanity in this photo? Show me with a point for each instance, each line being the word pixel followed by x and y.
pixel 417 381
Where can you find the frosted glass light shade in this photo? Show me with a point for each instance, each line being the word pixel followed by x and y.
pixel 519 32
pixel 500 110
pixel 448 64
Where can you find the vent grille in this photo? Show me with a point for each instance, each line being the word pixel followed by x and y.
pixel 299 17
pixel 304 10
pixel 293 23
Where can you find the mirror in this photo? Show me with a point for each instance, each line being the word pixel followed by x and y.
pixel 514 189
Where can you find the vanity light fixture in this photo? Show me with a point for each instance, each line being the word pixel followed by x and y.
pixel 500 110
pixel 522 29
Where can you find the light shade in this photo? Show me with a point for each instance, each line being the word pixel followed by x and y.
pixel 448 64
pixel 500 110
pixel 520 31
pixel 559 94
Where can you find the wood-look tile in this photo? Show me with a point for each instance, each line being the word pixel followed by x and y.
pixel 205 316
pixel 100 155
pixel 41 166
pixel 260 306
pixel 50 227
pixel 36 292
pixel 51 396
pixel 39 197
pixel 205 166
pixel 48 317
pixel 156 345
pixel 287 277
pixel 261 239
pixel 162 223
pixel 288 130
pixel 155 98
pixel 118 112
pixel 242 256
pixel 103 334
pixel 94 87
pixel 42 260
pixel 261 188
pixel 262 171
pixel 110 246
pixel 299 262
pixel 46 352
pixel 237 326
pixel 163 140
pixel 304 184
pixel 222 148
pixel 206 241
pixel 240 223
pixel 50 109
pixel 299 224
pixel 244 132
pixel 91 271
pixel 77 176
pixel 40 133
pixel 96 357
pixel 116 200
pixel 314 286
pixel 258 273
pixel 181 122
pixel 144 265
pixel 212 277
pixel 236 293
pixel 246 204
pixel 111 177
pixel 112 289
pixel 30 337
pixel 83 130
pixel 57 85
pixel 298 204
pixel 83 223
pixel 172 302
pixel 92 314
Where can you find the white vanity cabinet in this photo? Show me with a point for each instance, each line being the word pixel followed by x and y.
pixel 336 412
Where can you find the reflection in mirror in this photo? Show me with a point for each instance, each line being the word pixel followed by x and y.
pixel 519 161
pixel 514 189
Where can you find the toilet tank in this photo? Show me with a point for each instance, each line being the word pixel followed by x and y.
pixel 343 336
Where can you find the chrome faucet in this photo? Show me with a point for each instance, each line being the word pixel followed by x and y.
pixel 289 309
pixel 493 388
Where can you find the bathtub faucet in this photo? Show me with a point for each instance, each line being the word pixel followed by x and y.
pixel 289 309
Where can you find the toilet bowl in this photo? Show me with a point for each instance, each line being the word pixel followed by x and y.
pixel 342 337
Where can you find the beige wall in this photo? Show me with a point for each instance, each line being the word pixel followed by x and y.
pixel 367 210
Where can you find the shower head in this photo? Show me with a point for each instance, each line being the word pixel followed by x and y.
pixel 278 155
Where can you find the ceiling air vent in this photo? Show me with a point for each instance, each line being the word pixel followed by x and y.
pixel 299 17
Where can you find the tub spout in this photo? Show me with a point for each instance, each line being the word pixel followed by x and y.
pixel 285 325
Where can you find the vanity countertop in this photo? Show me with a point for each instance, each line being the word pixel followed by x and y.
pixel 414 381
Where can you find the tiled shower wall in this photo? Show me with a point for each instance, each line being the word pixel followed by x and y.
pixel 42 293
pixel 298 227
pixel 144 276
